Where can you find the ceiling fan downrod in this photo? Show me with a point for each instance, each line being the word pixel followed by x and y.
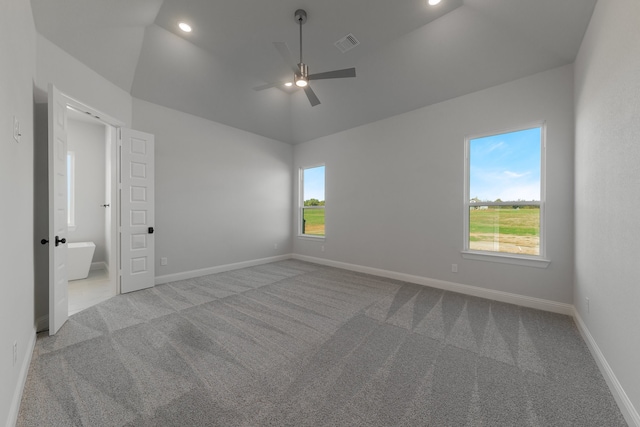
pixel 302 79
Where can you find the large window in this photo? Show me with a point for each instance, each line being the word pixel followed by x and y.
pixel 312 201
pixel 504 200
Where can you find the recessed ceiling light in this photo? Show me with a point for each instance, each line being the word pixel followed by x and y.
pixel 434 2
pixel 187 28
pixel 288 84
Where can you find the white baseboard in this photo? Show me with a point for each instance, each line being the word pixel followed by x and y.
pixel 218 269
pixel 624 403
pixel 525 301
pixel 100 265
pixel 14 409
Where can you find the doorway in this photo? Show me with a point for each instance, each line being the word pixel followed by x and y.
pixel 127 207
pixel 90 211
pixel 105 270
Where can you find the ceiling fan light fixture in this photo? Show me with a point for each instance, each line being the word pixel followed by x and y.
pixel 434 2
pixel 302 77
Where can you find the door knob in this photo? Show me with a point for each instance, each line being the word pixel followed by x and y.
pixel 58 241
pixel 44 241
pixel 150 230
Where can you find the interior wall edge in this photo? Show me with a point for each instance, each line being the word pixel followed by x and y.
pixel 507 297
pixel 629 412
pixel 14 409
pixel 42 323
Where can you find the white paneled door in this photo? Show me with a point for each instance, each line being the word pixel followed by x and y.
pixel 58 297
pixel 137 210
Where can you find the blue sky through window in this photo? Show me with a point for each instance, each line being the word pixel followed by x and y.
pixel 314 183
pixel 505 166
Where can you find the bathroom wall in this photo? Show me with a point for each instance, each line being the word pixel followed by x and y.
pixel 87 141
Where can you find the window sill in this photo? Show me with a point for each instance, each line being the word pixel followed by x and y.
pixel 310 237
pixel 507 259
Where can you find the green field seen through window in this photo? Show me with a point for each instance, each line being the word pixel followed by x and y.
pixel 505 229
pixel 313 223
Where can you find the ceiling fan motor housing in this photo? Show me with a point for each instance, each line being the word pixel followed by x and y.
pixel 304 70
pixel 301 16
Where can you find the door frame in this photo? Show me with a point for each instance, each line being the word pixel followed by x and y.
pixel 112 127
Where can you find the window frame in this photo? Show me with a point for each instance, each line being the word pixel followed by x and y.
pixel 71 190
pixel 302 207
pixel 539 261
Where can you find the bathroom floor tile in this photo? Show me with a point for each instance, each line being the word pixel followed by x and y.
pixel 88 292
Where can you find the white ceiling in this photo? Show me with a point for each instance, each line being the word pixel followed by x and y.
pixel 410 55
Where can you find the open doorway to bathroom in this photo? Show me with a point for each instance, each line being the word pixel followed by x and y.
pixel 94 164
pixel 91 257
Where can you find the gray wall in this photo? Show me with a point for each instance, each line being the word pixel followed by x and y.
pixel 222 195
pixel 394 188
pixel 88 142
pixel 607 100
pixel 17 71
pixel 79 82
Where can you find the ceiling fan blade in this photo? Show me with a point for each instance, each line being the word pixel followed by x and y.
pixel 286 55
pixel 268 86
pixel 313 99
pixel 335 74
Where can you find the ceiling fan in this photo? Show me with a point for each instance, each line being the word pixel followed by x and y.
pixel 301 76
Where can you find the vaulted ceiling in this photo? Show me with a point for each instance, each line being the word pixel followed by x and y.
pixel 410 54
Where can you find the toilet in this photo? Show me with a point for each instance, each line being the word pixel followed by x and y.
pixel 79 257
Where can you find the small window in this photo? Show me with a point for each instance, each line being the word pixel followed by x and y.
pixel 504 200
pixel 312 201
pixel 71 164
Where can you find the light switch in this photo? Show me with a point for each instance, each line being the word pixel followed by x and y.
pixel 16 129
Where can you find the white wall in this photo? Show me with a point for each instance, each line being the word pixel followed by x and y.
pixel 394 188
pixel 222 195
pixel 607 205
pixel 17 71
pixel 79 82
pixel 88 142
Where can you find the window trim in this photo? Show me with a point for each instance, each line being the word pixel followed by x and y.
pixel 539 261
pixel 301 205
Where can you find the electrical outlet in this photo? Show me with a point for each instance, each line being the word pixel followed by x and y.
pixel 16 129
pixel 454 268
pixel 587 301
pixel 163 261
pixel 15 352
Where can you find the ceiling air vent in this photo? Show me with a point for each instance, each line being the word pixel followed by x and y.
pixel 346 43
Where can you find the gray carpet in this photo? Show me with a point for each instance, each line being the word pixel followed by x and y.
pixel 298 344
